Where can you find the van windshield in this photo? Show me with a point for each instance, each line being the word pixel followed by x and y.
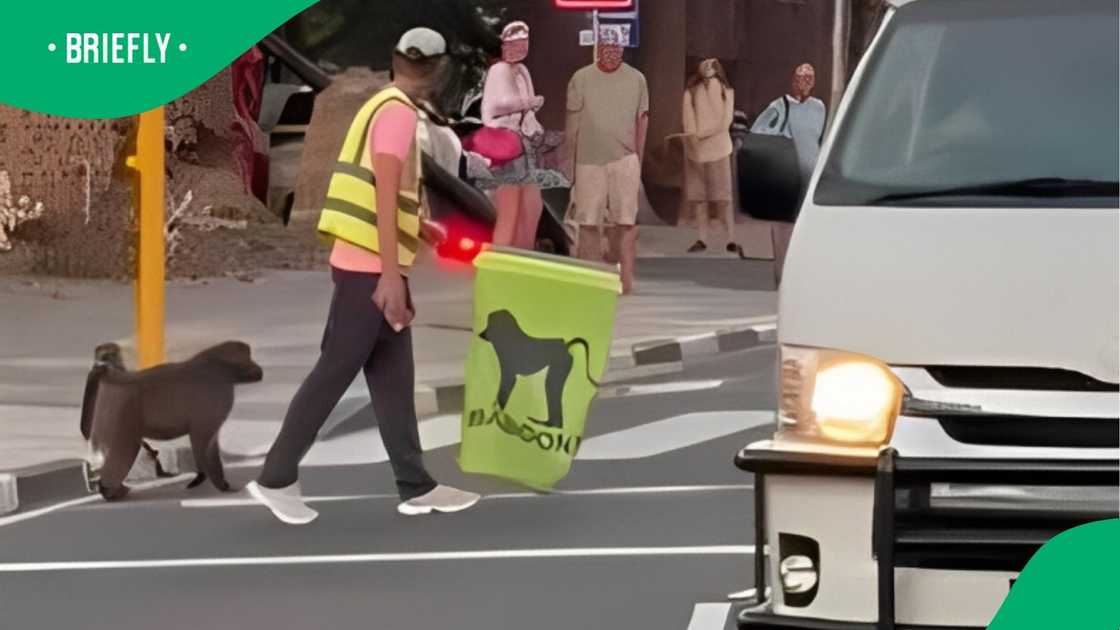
pixel 1003 102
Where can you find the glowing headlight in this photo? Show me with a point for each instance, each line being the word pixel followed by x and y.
pixel 837 396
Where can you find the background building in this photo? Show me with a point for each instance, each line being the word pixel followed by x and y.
pixel 759 42
pixel 75 167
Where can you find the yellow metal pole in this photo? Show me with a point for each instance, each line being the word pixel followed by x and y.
pixel 150 275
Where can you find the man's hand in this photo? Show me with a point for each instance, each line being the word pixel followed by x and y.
pixel 391 297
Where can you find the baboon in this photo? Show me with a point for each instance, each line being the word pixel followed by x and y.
pixel 165 402
pixel 522 355
pixel 107 356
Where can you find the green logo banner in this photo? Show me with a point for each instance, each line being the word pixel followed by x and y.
pixel 1071 582
pixel 85 59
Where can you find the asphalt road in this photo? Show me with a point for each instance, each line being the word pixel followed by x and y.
pixel 632 539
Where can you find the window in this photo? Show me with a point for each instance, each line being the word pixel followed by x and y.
pixel 1008 99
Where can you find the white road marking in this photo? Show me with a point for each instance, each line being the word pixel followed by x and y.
pixel 709 616
pixel 750 594
pixel 245 501
pixel 24 516
pixel 495 554
pixel 283 392
pixel 699 337
pixel 641 371
pixel 670 434
pixel 623 391
pixel 631 490
pixel 729 324
pixel 242 501
pixel 253 439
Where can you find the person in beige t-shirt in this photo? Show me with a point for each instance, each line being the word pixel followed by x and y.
pixel 608 116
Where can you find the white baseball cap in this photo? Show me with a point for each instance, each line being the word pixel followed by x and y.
pixel 421 43
pixel 515 31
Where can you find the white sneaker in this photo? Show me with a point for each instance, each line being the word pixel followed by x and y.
pixel 440 499
pixel 286 503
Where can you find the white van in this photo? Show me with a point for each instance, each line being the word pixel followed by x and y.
pixel 948 322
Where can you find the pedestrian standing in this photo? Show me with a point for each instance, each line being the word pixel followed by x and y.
pixel 372 214
pixel 708 109
pixel 509 104
pixel 608 117
pixel 806 116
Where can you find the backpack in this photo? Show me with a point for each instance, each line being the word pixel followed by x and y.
pixel 769 176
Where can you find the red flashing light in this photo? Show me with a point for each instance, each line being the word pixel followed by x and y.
pixel 464 240
pixel 594 5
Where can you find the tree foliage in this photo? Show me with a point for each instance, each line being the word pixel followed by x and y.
pixel 343 33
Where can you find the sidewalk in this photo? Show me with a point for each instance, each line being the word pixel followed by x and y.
pixel 46 348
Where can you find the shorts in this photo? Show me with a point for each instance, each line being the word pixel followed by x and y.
pixel 708 181
pixel 607 193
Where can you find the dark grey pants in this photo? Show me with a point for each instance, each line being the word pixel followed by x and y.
pixel 357 337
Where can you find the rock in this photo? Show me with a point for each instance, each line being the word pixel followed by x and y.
pixel 334 111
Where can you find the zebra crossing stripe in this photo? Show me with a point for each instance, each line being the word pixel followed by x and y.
pixel 243 500
pixel 623 391
pixel 670 434
pixel 709 616
pixel 429 556
pixel 638 442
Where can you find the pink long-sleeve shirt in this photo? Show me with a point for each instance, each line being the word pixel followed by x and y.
pixel 392 134
pixel 507 98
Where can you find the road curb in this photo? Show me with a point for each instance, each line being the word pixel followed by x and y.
pixel 645 359
pixel 686 348
pixel 52 482
pixel 45 483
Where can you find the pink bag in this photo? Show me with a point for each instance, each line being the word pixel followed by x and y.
pixel 498 145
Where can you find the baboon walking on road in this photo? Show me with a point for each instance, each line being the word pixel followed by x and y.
pixel 165 402
pixel 107 356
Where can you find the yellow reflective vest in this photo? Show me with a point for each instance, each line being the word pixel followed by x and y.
pixel 350 212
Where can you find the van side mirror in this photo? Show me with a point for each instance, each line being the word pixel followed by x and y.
pixel 769 178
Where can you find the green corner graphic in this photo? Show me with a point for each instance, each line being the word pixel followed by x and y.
pixel 109 59
pixel 1070 583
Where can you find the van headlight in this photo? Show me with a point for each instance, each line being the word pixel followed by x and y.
pixel 838 397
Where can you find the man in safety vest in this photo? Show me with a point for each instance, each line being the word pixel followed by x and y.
pixel 372 213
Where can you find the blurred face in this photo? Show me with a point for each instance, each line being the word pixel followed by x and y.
pixel 804 80
pixel 708 69
pixel 610 56
pixel 515 51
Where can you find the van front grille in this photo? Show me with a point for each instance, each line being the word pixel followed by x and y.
pixel 1039 379
pixel 988 515
pixel 1007 430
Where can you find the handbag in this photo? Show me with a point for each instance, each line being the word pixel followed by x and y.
pixel 498 145
pixel 769 175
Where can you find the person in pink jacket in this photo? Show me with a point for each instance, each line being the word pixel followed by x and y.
pixel 509 102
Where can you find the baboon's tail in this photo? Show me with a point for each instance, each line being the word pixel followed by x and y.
pixel 578 341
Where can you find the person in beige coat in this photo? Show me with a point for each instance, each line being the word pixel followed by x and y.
pixel 708 109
